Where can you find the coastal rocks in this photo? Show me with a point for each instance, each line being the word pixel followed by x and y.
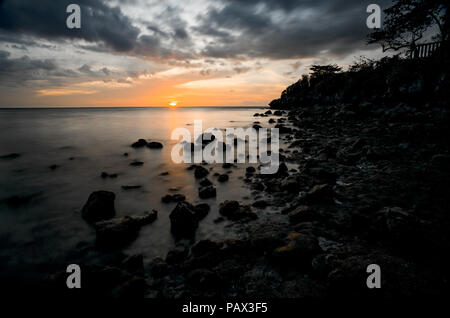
pixel 143 143
pixel 234 211
pixel 155 145
pixel 106 175
pixel 301 214
pixel 200 172
pixel 223 178
pixel 299 250
pixel 136 163
pixel 99 206
pixel 201 210
pixel 184 220
pixel 146 218
pixel 131 187
pixel 318 194
pixel 261 204
pixel 116 232
pixel 177 254
pixel 205 182
pixel 169 198
pixel 207 192
pixel 139 144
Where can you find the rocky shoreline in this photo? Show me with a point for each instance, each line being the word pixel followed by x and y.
pixel 371 187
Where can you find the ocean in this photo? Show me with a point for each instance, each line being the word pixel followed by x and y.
pixel 62 155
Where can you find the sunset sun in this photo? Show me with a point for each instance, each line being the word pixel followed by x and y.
pixel 173 104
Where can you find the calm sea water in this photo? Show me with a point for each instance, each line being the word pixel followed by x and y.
pixel 83 143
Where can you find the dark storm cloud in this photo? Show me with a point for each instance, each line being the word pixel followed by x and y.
pixel 281 29
pixel 20 71
pixel 47 19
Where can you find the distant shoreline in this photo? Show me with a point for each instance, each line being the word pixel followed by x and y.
pixel 133 107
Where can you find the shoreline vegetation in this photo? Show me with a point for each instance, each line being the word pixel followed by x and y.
pixel 371 188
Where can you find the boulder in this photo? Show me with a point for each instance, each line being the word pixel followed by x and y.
pixel 234 211
pixel 301 214
pixel 99 206
pixel 299 249
pixel 155 145
pixel 139 144
pixel 207 192
pixel 200 172
pixel 116 232
pixel 322 193
pixel 168 198
pixel 146 218
pixel 205 182
pixel 183 220
pixel 223 178
pixel 201 210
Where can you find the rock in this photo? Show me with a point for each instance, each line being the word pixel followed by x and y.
pixel 169 198
pixel 178 254
pixel 203 279
pixel 301 214
pixel 134 263
pixel 207 192
pixel 272 121
pixel 227 165
pixel 299 249
pixel 116 232
pixel 139 144
pixel 200 172
pixel 256 126
pixel 205 139
pixel 201 210
pixel 133 288
pixel 260 204
pixel 54 167
pixel 158 268
pixel 125 154
pixel 205 247
pixel 318 194
pixel 205 182
pixel 183 220
pixel 155 145
pixel 136 163
pixel 131 187
pixel 223 178
pixel 441 162
pixel 105 175
pixel 10 156
pixel 269 112
pixel 234 211
pixel 165 173
pixel 278 113
pixel 250 170
pixel 99 206
pixel 147 218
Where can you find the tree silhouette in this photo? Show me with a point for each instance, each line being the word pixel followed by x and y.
pixel 408 21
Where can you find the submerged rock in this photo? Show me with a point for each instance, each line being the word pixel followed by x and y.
pixel 223 178
pixel 183 220
pixel 168 198
pixel 99 206
pixel 234 211
pixel 10 156
pixel 200 172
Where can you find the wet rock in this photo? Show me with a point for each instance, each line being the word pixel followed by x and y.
pixel 133 263
pixel 299 249
pixel 269 112
pixel 116 232
pixel 223 178
pixel 133 288
pixel 146 218
pixel 201 210
pixel 260 204
pixel 203 279
pixel 205 247
pixel 169 198
pixel 177 254
pixel 301 214
pixel 205 182
pixel 136 163
pixel 318 194
pixel 139 144
pixel 207 192
pixel 278 113
pixel 250 170
pixel 256 126
pixel 54 167
pixel 158 268
pixel 234 211
pixel 99 206
pixel 272 121
pixel 205 139
pixel 227 165
pixel 106 175
pixel 200 172
pixel 183 220
pixel 155 145
pixel 165 173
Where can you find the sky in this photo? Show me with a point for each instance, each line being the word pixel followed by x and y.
pixel 188 52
